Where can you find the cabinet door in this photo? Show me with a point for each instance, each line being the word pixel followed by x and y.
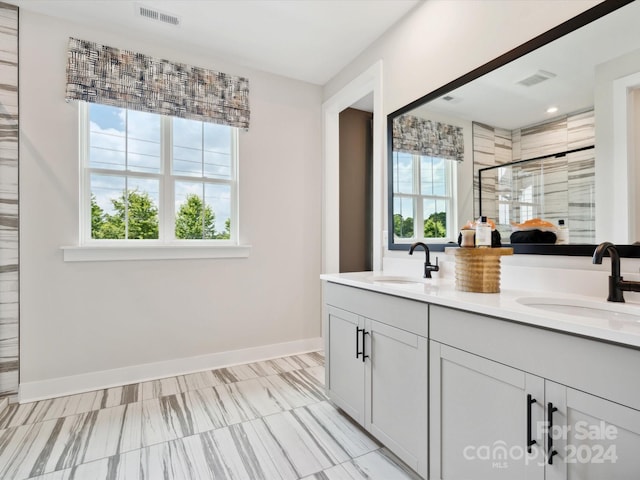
pixel 397 379
pixel 346 369
pixel 480 420
pixel 594 438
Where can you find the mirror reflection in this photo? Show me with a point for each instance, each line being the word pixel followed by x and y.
pixel 546 172
pixel 423 190
pixel 537 138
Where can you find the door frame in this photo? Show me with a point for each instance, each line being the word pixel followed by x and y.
pixel 368 82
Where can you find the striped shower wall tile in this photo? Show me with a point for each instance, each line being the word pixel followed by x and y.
pixel 567 183
pixel 503 146
pixel 581 130
pixel 8 201
pixel 582 228
pixel 489 146
pixel 582 202
pixel 490 193
pixel 516 142
pixel 503 154
pixel 545 139
pixel 555 190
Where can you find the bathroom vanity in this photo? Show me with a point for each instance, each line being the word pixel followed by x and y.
pixel 385 392
pixel 486 386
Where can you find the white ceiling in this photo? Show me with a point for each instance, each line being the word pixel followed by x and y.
pixel 309 40
pixel 497 99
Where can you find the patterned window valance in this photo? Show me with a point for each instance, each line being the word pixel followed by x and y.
pixel 419 136
pixel 101 74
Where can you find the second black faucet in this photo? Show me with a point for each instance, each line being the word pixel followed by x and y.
pixel 617 284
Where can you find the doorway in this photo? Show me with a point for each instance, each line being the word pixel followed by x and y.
pixel 356 187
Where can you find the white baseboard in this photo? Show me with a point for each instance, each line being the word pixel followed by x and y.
pixel 86 382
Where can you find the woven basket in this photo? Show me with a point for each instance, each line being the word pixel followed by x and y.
pixel 478 269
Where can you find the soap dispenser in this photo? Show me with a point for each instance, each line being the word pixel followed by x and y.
pixel 563 233
pixel 483 233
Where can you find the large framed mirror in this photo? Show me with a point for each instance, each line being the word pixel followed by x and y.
pixel 548 131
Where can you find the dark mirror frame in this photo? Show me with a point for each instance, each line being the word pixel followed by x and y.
pixel 565 28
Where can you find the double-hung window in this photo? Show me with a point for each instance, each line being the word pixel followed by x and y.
pixel 423 200
pixel 153 179
pixel 159 155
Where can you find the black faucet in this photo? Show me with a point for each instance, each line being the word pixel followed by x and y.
pixel 616 284
pixel 428 268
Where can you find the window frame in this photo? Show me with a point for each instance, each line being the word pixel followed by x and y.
pixel 166 180
pixel 417 198
pixel 166 246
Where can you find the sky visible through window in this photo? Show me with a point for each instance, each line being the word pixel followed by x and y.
pixel 129 140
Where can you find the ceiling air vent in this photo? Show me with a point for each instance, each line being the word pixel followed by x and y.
pixel 538 77
pixel 158 16
pixel 451 99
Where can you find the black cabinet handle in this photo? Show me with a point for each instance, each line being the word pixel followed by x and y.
pixel 551 451
pixel 358 352
pixel 364 355
pixel 530 441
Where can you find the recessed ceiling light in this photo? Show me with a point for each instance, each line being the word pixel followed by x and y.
pixel 552 109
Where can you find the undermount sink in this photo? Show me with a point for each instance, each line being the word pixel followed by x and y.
pixel 400 281
pixel 584 308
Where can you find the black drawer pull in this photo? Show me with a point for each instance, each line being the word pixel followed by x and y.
pixel 551 452
pixel 364 355
pixel 530 441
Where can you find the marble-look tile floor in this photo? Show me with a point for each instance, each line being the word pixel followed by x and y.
pixel 265 420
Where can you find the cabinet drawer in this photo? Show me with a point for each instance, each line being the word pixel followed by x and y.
pixel 406 314
pixel 603 369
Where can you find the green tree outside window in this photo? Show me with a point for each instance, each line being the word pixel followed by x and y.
pixel 193 220
pixel 436 225
pixel 402 227
pixel 142 216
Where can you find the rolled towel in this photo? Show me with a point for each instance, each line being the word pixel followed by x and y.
pixel 533 236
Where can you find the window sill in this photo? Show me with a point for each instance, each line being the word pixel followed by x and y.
pixel 106 253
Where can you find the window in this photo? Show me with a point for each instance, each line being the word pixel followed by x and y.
pixel 154 179
pixel 422 198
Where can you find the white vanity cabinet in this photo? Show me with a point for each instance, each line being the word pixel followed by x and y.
pixel 377 367
pixel 485 374
pixel 479 414
pixel 594 438
pixel 346 380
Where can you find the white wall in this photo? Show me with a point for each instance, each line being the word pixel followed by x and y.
pixel 87 317
pixel 615 192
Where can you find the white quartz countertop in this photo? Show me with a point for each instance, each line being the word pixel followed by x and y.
pixel 506 304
